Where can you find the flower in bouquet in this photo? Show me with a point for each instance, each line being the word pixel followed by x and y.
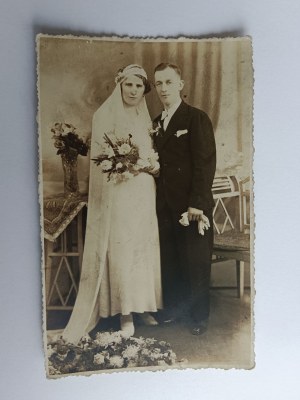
pixel 124 149
pixel 107 151
pixel 143 163
pixel 120 159
pixel 67 141
pixel 106 165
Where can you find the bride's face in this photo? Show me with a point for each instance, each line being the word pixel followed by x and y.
pixel 132 90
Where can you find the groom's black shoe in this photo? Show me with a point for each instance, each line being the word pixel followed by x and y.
pixel 164 317
pixel 199 328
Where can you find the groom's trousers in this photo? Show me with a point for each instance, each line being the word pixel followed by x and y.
pixel 185 264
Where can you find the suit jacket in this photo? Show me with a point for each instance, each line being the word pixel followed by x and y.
pixel 187 156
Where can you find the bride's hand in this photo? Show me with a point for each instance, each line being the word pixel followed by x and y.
pixel 155 169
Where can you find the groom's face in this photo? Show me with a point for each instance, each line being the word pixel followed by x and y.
pixel 168 86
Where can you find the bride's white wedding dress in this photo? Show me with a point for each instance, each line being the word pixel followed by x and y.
pixel 131 277
pixel 121 261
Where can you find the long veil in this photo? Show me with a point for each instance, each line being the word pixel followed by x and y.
pixel 110 117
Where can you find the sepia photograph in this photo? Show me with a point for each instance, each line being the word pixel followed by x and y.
pixel 146 203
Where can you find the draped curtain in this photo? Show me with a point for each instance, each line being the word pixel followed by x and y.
pixel 76 76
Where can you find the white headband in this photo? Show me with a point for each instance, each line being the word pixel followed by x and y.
pixel 132 69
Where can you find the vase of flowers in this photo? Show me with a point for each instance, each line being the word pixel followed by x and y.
pixel 69 146
pixel 69 164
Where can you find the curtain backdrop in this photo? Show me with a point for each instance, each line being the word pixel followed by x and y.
pixel 77 75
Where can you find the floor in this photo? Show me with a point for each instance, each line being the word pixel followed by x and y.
pixel 228 342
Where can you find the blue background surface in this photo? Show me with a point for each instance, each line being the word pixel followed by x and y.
pixel 274 26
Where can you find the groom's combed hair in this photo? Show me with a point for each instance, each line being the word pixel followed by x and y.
pixel 163 66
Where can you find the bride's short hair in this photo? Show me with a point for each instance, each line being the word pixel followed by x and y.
pixel 146 83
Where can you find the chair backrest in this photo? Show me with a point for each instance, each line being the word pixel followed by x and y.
pixel 245 205
pixel 225 187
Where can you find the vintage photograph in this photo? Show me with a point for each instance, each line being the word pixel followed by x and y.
pixel 146 197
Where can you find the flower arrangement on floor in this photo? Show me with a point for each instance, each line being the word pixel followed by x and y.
pixel 109 350
pixel 69 146
pixel 121 160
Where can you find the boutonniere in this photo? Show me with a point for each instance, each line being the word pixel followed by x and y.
pixel 181 132
pixel 156 129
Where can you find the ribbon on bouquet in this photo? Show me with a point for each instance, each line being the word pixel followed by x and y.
pixel 203 224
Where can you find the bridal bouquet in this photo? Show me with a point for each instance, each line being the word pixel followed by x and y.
pixel 109 350
pixel 121 160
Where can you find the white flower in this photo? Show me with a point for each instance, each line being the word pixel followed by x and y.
pixel 117 337
pixel 150 341
pixel 146 352
pixel 163 343
pixel 107 150
pixel 116 361
pixel 139 340
pixel 106 165
pixel 143 163
pixel 68 127
pixel 155 354
pixel 130 352
pixel 104 339
pixel 99 359
pixel 124 149
pixel 119 165
pixel 153 155
pixel 154 131
pixel 50 351
pixel 127 175
pixel 119 77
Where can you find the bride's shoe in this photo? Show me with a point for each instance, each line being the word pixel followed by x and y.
pixel 127 326
pixel 148 319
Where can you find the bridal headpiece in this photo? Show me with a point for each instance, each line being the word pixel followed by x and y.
pixel 132 69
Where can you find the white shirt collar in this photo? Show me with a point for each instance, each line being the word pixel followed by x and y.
pixel 171 111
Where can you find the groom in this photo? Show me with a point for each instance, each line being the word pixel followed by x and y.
pixel 185 143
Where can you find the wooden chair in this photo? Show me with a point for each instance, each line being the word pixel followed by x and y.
pixel 231 216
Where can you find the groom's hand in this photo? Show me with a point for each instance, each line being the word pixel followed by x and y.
pixel 194 214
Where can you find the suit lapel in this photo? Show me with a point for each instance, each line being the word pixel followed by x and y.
pixel 173 123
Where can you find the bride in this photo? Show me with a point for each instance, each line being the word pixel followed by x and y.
pixel 121 261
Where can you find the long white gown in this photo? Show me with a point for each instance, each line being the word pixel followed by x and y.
pixel 121 261
pixel 131 276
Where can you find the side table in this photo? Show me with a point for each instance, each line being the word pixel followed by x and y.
pixel 63 245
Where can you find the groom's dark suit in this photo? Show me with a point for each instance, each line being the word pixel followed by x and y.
pixel 187 156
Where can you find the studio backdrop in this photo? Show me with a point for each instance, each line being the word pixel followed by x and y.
pixel 76 75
